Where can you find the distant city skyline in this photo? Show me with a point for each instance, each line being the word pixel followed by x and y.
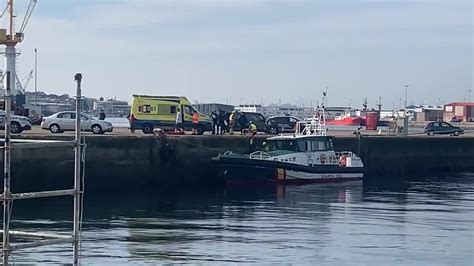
pixel 254 50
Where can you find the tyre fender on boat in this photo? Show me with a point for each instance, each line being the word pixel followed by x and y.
pixel 322 158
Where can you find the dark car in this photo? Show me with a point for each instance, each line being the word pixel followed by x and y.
pixel 257 118
pixel 456 119
pixel 442 128
pixel 281 124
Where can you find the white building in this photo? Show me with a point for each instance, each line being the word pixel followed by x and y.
pixel 112 107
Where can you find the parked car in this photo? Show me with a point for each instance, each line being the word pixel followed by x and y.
pixel 18 122
pixel 442 128
pixel 280 124
pixel 65 121
pixel 257 118
pixel 456 119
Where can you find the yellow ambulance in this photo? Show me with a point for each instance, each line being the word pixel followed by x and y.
pixel 149 112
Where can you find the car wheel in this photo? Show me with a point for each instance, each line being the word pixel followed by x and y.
pixel 16 128
pixel 200 131
pixel 430 133
pixel 96 129
pixel 147 129
pixel 54 128
pixel 273 131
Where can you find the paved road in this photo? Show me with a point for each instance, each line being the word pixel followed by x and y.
pixel 119 131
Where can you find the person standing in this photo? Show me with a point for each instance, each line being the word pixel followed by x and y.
pixel 242 123
pixel 131 119
pixel 221 122
pixel 252 133
pixel 195 123
pixel 214 119
pixel 179 122
pixel 232 120
pixel 101 115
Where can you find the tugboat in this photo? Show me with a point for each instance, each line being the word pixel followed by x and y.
pixel 308 156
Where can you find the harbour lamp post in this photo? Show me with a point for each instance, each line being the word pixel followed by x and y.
pixel 406 95
pixel 36 77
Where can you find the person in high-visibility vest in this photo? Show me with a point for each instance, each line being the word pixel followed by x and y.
pixel 195 122
pixel 252 128
pixel 252 132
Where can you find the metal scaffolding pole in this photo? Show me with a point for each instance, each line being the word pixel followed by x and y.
pixel 6 174
pixel 77 171
pixel 8 197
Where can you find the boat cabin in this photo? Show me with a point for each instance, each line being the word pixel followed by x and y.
pixel 299 144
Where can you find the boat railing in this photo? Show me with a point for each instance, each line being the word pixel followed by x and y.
pixel 259 155
pixel 344 153
pixel 310 128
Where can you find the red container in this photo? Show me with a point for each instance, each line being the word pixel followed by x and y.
pixel 371 120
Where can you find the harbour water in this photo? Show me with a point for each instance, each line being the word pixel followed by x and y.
pixel 415 223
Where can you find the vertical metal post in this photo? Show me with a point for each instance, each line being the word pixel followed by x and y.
pixel 36 77
pixel 77 171
pixel 406 96
pixel 6 174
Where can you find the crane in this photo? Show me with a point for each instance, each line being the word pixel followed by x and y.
pixel 23 83
pixel 10 38
pixel 29 11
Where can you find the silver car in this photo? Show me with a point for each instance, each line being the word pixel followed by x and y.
pixel 66 121
pixel 18 122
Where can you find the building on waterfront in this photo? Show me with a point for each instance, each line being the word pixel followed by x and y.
pixel 112 107
pixel 207 108
pixel 425 114
pixel 462 111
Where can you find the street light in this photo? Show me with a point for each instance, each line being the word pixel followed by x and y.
pixel 406 95
pixel 36 77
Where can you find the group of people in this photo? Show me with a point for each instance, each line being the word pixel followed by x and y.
pixel 179 123
pixel 223 122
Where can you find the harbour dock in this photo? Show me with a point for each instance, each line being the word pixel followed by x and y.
pixel 124 161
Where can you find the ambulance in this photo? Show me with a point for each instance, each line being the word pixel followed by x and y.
pixel 149 112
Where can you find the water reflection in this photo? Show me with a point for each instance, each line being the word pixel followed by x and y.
pixel 420 222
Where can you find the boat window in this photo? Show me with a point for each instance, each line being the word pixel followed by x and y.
pixel 330 145
pixel 318 145
pixel 302 145
pixel 286 145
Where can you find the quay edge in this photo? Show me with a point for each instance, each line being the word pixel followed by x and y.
pixel 132 163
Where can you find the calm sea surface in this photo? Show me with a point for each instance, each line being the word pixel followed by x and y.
pixel 418 223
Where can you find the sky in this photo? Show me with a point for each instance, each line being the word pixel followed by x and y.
pixel 254 51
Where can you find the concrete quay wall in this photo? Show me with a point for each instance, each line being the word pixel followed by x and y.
pixel 115 163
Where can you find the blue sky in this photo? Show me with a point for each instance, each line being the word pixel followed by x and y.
pixel 255 51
